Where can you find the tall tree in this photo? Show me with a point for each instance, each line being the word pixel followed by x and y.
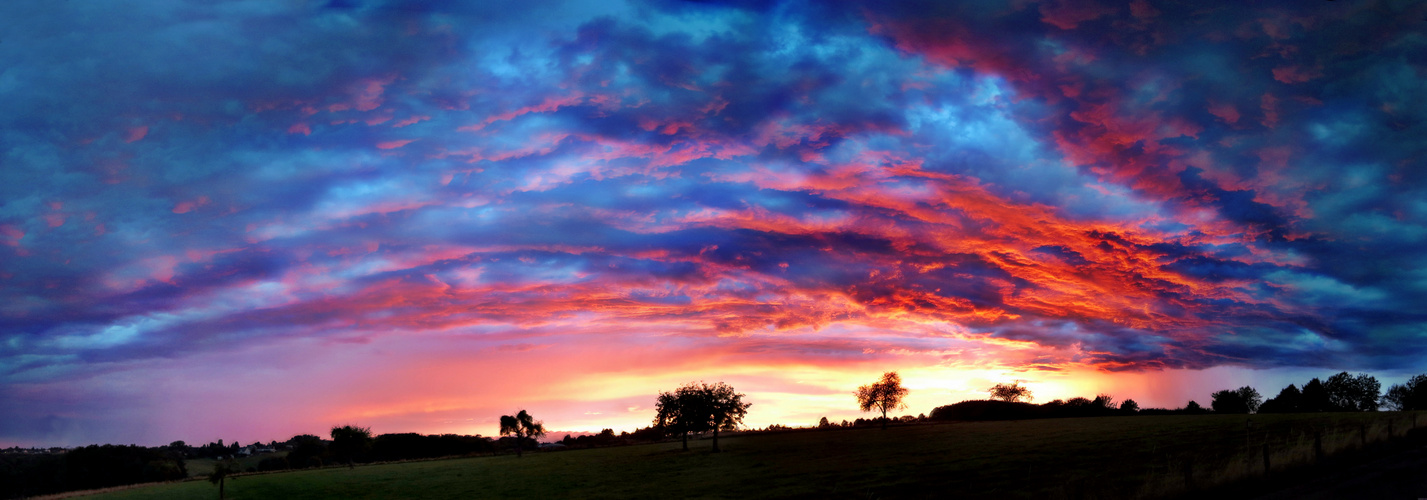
pixel 1193 407
pixel 307 451
pixel 350 441
pixel 725 408
pixel 1104 400
pixel 1353 393
pixel 882 395
pixel 700 407
pixel 523 427
pixel 1242 400
pixel 1411 395
pixel 673 416
pixel 1012 392
pixel 1288 400
pixel 1315 397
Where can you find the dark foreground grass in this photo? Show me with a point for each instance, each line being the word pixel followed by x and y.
pixel 1108 457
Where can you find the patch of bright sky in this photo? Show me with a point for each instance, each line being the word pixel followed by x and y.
pixel 1304 340
pixel 979 137
pixel 38 368
pixel 1342 131
pixel 358 198
pixel 697 21
pixel 1325 290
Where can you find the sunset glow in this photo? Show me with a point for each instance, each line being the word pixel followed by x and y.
pixel 254 220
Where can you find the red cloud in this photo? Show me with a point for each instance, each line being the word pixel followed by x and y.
pixel 135 134
pixel 184 207
pixel 1067 15
pixel 394 144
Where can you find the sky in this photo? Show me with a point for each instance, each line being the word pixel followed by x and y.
pixel 250 220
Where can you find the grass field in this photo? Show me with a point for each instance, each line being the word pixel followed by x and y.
pixel 1116 457
pixel 202 467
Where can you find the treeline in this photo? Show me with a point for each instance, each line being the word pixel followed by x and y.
pixel 607 437
pixel 1102 405
pixel 90 467
pixel 353 445
pixel 1343 392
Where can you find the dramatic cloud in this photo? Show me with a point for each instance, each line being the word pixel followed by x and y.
pixel 423 215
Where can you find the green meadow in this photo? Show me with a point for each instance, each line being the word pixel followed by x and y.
pixel 1116 457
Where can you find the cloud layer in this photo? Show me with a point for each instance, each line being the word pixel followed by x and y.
pixel 290 196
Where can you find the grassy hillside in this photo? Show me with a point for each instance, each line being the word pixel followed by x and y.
pixel 201 467
pixel 1061 458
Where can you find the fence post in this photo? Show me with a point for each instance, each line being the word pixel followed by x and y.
pixel 1266 465
pixel 1248 427
pixel 1189 473
pixel 1317 445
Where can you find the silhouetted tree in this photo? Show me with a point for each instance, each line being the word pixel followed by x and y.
pixel 1315 398
pixel 522 426
pixel 179 447
pixel 1242 400
pixel 410 445
pixel 700 407
pixel 349 442
pixel 1228 401
pixel 1129 406
pixel 1013 392
pixel 1411 395
pixel 1353 393
pixel 823 423
pixel 87 467
pixel 1104 400
pixel 1288 400
pixel 989 410
pixel 676 412
pixel 307 451
pixel 221 470
pixel 724 408
pixel 883 395
pixel 1193 407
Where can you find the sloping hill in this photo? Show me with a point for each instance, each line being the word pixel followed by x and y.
pixel 1114 457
